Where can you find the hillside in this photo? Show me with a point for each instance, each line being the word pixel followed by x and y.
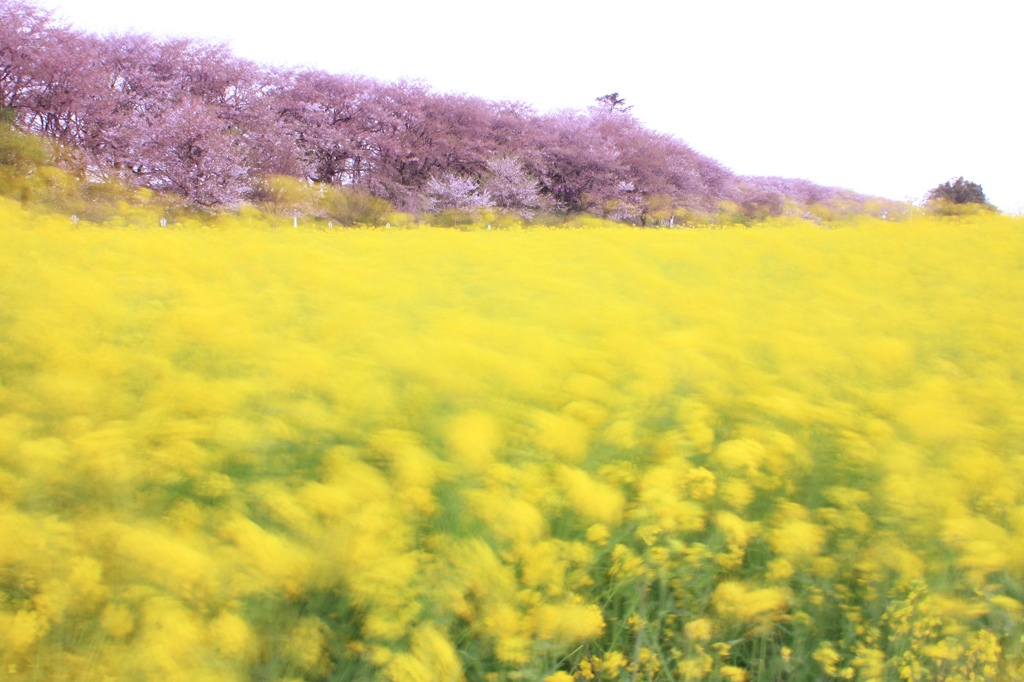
pixel 190 118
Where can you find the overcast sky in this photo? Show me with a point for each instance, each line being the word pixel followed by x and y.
pixel 885 97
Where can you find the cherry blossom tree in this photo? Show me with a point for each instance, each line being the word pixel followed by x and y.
pixel 332 119
pixel 189 117
pixel 26 32
pixel 183 147
pixel 581 167
pixel 509 186
pixel 450 191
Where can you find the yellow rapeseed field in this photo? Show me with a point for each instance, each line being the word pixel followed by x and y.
pixel 778 453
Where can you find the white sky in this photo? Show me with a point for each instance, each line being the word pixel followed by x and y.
pixel 885 97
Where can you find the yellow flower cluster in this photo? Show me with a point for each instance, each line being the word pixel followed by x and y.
pixel 232 453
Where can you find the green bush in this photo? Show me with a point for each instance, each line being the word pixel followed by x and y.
pixel 958 191
pixel 352 207
pixel 20 155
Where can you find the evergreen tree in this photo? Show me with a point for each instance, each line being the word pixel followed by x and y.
pixel 958 191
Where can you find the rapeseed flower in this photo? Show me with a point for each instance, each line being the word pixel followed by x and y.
pixel 733 599
pixel 473 438
pixel 425 454
pixel 569 622
pixel 593 500
pixel 598 534
pixel 563 436
pixel 794 536
pixel 699 630
pixel 560 676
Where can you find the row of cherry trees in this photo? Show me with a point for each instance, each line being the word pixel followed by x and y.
pixel 191 118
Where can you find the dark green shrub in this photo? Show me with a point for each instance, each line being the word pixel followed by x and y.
pixel 958 191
